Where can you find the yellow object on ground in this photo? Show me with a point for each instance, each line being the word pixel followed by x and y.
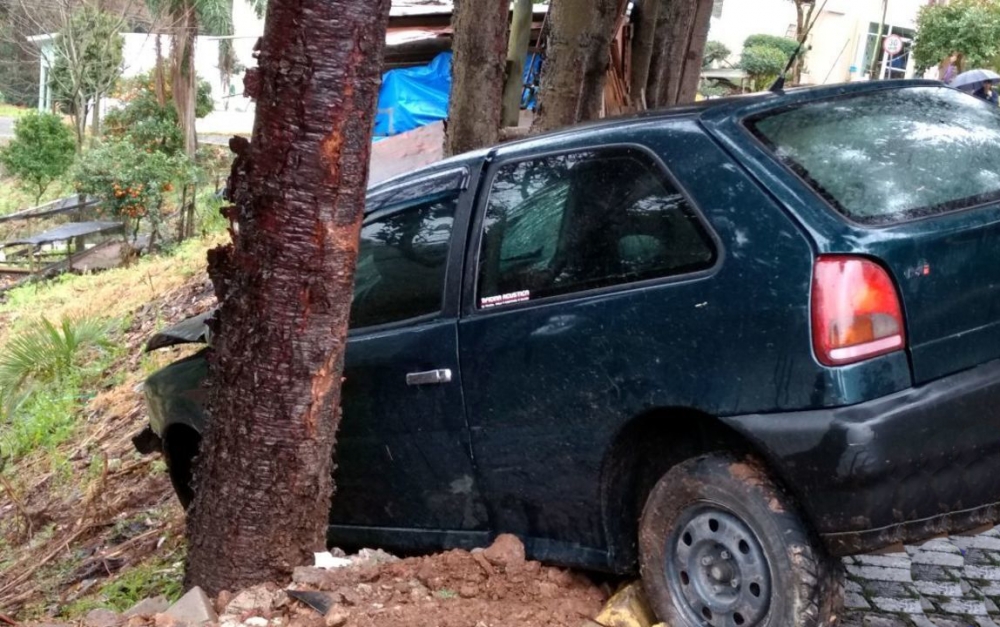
pixel 628 608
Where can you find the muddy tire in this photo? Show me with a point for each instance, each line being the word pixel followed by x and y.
pixel 721 544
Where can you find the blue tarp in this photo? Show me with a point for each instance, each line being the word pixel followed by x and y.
pixel 414 97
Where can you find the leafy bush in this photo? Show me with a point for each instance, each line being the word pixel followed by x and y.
pixel 786 45
pixel 146 124
pixel 967 28
pixel 42 150
pixel 763 64
pixel 130 181
pixel 715 52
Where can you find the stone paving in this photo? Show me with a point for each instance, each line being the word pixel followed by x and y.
pixel 947 582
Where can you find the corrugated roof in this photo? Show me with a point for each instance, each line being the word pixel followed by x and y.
pixel 67 231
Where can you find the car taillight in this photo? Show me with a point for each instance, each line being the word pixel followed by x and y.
pixel 856 312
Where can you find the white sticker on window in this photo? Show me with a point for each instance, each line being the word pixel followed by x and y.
pixel 504 299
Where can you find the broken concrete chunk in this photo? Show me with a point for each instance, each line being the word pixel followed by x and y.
pixel 149 607
pixel 256 621
pixel 627 608
pixel 194 608
pixel 373 556
pixel 261 599
pixel 103 618
pixel 336 617
pixel 166 620
pixel 309 576
pixel 328 561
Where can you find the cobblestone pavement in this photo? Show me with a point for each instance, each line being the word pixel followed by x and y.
pixel 947 582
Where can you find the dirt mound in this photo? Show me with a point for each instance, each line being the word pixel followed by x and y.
pixel 495 586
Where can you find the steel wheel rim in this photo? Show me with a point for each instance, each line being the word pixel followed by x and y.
pixel 716 570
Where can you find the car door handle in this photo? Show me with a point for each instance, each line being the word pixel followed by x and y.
pixel 431 377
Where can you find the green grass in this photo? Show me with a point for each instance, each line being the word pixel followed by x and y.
pixel 11 111
pixel 13 198
pixel 159 576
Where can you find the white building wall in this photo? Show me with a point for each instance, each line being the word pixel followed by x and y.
pixel 837 43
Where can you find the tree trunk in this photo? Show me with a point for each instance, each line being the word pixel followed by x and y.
pixel 517 56
pixel 577 56
pixel 480 51
pixel 95 124
pixel 680 26
pixel 803 18
pixel 183 80
pixel 264 476
pixel 698 37
pixel 159 81
pixel 643 42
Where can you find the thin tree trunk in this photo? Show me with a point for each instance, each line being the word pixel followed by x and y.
pixel 264 477
pixel 697 38
pixel 643 42
pixel 183 80
pixel 803 18
pixel 577 56
pixel 95 124
pixel 159 81
pixel 517 56
pixel 478 65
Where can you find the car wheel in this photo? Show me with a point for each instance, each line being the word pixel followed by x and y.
pixel 180 447
pixel 720 544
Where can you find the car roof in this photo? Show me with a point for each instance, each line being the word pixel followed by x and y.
pixel 736 106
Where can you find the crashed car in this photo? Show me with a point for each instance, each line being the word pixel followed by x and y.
pixel 718 345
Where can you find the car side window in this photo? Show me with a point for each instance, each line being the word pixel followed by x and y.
pixel 402 261
pixel 585 220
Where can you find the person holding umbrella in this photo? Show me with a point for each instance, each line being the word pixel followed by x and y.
pixel 979 83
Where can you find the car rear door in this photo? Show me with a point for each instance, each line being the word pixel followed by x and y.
pixel 911 177
pixel 404 472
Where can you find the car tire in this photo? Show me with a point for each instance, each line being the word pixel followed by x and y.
pixel 721 544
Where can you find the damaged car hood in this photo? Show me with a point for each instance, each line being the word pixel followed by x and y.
pixel 190 331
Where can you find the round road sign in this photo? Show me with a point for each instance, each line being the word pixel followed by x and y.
pixel 893 45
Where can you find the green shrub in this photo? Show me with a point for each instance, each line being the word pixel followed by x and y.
pixel 41 151
pixel 130 181
pixel 715 52
pixel 786 45
pixel 763 64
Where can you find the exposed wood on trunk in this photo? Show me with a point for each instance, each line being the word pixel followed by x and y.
pixel 285 284
pixel 572 85
pixel 517 56
pixel 478 66
pixel 643 42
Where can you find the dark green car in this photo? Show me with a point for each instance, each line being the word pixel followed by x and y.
pixel 717 344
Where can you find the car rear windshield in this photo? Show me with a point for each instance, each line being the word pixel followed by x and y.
pixel 892 155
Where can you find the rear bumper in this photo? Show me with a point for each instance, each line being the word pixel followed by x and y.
pixel 902 468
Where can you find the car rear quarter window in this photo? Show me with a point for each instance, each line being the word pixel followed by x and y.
pixel 892 155
pixel 586 220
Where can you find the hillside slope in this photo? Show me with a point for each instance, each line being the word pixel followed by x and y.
pixel 86 521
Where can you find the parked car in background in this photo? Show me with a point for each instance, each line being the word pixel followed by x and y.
pixel 718 345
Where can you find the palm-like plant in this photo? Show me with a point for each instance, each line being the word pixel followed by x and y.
pixel 45 352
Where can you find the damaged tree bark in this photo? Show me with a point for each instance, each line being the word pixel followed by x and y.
pixel 577 57
pixel 264 476
pixel 478 66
